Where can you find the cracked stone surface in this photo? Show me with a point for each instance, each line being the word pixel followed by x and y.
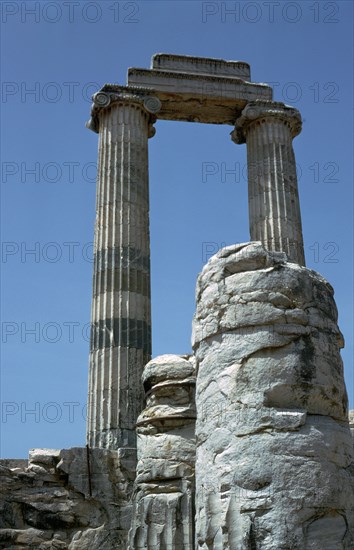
pixel 274 452
pixel 45 502
pixel 163 516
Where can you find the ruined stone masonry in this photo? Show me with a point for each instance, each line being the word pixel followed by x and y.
pixel 273 449
pixel 246 443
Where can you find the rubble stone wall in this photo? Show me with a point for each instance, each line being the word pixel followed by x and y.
pixel 45 503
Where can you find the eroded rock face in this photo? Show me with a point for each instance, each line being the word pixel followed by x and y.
pixel 272 460
pixel 273 442
pixel 163 515
pixel 46 504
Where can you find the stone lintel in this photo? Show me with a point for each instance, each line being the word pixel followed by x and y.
pixel 194 98
pixel 199 85
pixel 200 65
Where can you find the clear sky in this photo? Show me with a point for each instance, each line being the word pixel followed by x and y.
pixel 54 56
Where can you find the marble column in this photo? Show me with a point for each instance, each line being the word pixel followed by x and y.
pixel 274 453
pixel 120 317
pixel 274 209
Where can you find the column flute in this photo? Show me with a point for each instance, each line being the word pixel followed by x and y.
pixel 121 311
pixel 268 129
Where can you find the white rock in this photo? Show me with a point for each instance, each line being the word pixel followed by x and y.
pixel 44 456
pixel 273 441
pixel 163 503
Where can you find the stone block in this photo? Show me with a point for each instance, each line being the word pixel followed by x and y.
pixel 201 65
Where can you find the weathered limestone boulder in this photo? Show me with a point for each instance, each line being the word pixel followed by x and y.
pixel 163 515
pixel 46 504
pixel 273 442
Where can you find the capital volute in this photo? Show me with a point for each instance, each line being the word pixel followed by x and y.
pixel 262 112
pixel 103 99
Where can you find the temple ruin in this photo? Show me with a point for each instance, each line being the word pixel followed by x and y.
pixel 245 443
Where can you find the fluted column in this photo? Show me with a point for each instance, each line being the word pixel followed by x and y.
pixel 120 317
pixel 274 209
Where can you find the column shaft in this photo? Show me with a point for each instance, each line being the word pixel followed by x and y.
pixel 274 208
pixel 120 317
pixel 275 217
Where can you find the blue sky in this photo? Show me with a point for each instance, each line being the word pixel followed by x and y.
pixel 54 56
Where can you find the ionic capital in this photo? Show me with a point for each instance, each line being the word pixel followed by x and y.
pixel 104 99
pixel 262 111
